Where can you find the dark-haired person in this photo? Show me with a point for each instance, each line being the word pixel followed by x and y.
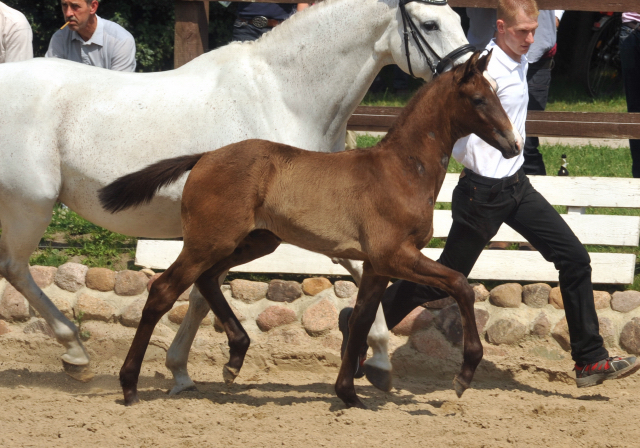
pixel 16 37
pixel 493 190
pixel 630 58
pixel 92 40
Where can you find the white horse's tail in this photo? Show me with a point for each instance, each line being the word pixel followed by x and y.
pixel 138 188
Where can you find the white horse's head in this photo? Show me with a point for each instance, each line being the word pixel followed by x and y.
pixel 434 36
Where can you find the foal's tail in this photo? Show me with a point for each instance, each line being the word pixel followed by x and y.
pixel 139 188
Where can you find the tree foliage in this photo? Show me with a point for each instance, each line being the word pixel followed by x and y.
pixel 151 22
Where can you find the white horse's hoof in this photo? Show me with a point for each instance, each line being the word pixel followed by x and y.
pixel 459 386
pixel 380 378
pixel 84 374
pixel 183 388
pixel 229 374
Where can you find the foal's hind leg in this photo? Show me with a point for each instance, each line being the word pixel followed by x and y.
pixel 257 244
pixel 24 221
pixel 364 313
pixel 378 368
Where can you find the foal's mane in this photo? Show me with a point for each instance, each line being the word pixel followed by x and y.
pixel 421 97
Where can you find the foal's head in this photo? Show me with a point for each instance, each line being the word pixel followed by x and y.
pixel 478 108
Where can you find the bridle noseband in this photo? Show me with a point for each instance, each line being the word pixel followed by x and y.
pixel 411 28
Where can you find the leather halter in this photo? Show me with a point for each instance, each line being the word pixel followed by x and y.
pixel 410 27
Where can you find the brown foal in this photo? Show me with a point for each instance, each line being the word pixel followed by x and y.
pixel 241 201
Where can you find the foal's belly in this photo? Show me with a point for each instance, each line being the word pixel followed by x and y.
pixel 327 240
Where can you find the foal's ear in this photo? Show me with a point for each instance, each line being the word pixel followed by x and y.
pixel 483 62
pixel 469 67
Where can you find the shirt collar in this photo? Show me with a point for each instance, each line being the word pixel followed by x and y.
pixel 504 58
pixel 98 35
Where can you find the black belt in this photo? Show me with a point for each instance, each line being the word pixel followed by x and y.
pixel 261 21
pixel 633 25
pixel 497 185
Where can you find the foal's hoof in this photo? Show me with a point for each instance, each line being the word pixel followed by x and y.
pixel 130 400
pixel 79 373
pixel 356 404
pixel 229 374
pixel 459 386
pixel 380 378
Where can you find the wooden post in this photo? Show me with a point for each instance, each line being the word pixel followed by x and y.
pixel 192 31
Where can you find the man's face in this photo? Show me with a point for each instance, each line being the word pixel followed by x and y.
pixel 78 12
pixel 518 33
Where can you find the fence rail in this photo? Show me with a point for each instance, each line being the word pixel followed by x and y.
pixel 542 124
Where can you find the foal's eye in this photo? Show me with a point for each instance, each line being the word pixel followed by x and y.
pixel 430 26
pixel 478 101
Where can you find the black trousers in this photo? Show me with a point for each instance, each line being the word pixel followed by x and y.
pixel 538 82
pixel 479 207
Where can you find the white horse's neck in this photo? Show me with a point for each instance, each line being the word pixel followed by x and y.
pixel 343 44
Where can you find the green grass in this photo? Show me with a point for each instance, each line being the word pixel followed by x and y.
pixel 565 95
pixel 71 238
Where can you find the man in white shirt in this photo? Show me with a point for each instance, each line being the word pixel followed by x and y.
pixel 92 40
pixel 16 36
pixel 493 190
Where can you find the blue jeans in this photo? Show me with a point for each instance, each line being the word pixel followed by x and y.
pixel 630 57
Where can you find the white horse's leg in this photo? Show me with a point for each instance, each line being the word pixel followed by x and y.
pixel 178 353
pixel 23 224
pixel 378 368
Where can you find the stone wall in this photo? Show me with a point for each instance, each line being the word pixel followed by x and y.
pixel 507 315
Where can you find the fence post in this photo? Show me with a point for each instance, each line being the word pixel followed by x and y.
pixel 192 31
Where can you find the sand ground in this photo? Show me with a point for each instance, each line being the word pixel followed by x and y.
pixel 522 396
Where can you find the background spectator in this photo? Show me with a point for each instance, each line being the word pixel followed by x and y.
pixel 92 40
pixel 255 19
pixel 15 36
pixel 630 56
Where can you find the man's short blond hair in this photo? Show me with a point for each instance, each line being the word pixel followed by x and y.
pixel 508 9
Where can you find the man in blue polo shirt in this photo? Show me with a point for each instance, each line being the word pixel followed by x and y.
pixel 92 40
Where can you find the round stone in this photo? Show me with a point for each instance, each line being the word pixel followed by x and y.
pixel 508 295
pixel 506 331
pixel 536 295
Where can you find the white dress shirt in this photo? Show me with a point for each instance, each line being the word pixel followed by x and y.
pixel 16 36
pixel 111 47
pixel 511 77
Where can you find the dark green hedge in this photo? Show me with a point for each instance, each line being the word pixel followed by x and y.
pixel 150 21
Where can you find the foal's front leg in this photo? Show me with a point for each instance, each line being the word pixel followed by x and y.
pixel 364 313
pixel 410 264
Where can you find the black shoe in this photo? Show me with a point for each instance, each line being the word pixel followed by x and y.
pixel 606 369
pixel 343 326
